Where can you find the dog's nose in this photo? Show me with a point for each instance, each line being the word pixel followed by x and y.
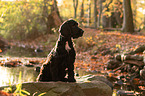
pixel 82 31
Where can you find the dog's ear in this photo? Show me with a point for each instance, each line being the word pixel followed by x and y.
pixel 65 29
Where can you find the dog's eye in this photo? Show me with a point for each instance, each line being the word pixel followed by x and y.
pixel 74 25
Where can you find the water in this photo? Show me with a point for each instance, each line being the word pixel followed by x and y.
pixel 11 75
pixel 23 51
pixel 29 74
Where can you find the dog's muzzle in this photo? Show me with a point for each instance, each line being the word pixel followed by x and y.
pixel 78 34
pixel 82 32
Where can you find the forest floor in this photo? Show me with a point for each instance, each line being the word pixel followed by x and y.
pixel 105 44
pixel 95 47
pixel 93 50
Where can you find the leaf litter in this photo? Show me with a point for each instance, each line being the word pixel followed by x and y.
pixel 100 47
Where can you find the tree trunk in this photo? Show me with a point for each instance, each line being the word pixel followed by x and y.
pixel 75 4
pixel 100 13
pixel 82 12
pixel 89 13
pixel 127 17
pixel 95 14
pixel 106 20
pixel 53 19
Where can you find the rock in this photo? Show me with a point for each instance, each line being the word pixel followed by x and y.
pixel 134 57
pixel 53 88
pixel 97 88
pixel 112 64
pixel 125 93
pixel 118 57
pixel 142 73
pixel 101 78
pixel 134 62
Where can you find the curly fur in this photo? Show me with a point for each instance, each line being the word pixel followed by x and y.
pixel 60 60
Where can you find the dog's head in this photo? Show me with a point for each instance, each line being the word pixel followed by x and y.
pixel 70 29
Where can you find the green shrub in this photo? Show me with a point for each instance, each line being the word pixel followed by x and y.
pixel 22 20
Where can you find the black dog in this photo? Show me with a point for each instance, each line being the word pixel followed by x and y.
pixel 60 60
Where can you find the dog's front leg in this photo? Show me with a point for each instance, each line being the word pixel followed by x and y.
pixel 71 73
pixel 54 70
pixel 71 60
pixel 44 73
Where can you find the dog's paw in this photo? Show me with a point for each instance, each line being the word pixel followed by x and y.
pixel 72 80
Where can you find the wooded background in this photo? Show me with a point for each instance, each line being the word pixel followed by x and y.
pixel 23 19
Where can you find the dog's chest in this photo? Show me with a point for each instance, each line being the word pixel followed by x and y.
pixel 67 47
pixel 70 51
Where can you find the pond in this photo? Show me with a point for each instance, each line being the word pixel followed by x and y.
pixel 28 74
pixel 24 51
pixel 10 75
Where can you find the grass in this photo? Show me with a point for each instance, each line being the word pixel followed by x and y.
pixel 19 91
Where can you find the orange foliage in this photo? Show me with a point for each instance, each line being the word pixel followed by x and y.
pixel 0 50
pixel 2 93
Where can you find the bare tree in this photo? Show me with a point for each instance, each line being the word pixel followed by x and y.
pixel 53 19
pixel 100 13
pixel 127 17
pixel 95 14
pixel 89 13
pixel 75 4
pixel 82 12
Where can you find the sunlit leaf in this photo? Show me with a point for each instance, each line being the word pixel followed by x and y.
pixel 1 51
pixel 1 20
pixel 118 46
pixel 26 92
pixel 42 94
